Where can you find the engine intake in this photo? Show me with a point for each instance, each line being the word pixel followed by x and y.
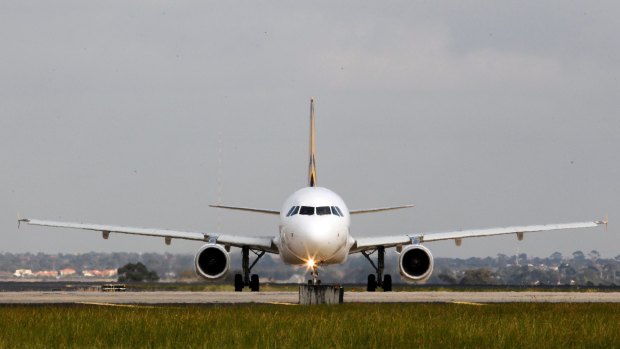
pixel 416 262
pixel 212 262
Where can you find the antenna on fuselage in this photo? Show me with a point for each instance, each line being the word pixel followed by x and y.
pixel 312 164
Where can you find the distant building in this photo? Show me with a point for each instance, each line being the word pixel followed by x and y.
pixel 106 273
pixel 22 273
pixel 67 272
pixel 46 273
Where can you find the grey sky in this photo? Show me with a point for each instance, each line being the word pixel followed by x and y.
pixel 480 114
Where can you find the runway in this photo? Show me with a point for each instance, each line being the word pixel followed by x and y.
pixel 180 298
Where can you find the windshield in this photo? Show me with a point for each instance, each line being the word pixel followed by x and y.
pixel 310 211
pixel 323 210
pixel 306 210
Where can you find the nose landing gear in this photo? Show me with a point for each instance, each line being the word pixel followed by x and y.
pixel 378 280
pixel 315 275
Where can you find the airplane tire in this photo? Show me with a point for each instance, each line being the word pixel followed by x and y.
pixel 238 283
pixel 387 283
pixel 372 283
pixel 254 283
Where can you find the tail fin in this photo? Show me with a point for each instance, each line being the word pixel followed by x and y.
pixel 312 164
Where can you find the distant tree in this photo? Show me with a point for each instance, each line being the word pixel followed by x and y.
pixel 136 272
pixel 567 273
pixel 514 275
pixel 556 257
pixel 447 277
pixel 594 255
pixel 481 276
pixel 502 259
pixel 578 256
pixel 187 274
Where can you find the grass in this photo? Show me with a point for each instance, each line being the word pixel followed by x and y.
pixel 522 325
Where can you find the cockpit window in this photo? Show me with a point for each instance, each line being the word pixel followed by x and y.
pixel 339 212
pixel 309 211
pixel 323 210
pixel 290 211
pixel 335 211
pixel 306 210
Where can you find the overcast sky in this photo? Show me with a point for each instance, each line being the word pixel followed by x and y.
pixel 141 113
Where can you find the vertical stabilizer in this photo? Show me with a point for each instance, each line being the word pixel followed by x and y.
pixel 312 164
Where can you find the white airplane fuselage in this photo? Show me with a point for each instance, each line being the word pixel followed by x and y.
pixel 314 228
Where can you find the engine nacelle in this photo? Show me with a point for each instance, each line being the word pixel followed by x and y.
pixel 416 262
pixel 212 262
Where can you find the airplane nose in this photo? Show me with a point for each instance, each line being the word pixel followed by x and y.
pixel 321 239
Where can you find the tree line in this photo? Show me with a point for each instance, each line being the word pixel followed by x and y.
pixel 579 268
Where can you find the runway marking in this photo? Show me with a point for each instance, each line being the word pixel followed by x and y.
pixel 117 305
pixel 282 303
pixel 469 303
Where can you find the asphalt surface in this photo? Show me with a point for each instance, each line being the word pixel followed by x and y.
pixel 170 297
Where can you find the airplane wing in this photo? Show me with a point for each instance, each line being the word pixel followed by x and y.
pixel 362 244
pixel 379 209
pixel 259 243
pixel 247 209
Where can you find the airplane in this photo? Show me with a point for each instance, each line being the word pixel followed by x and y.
pixel 314 231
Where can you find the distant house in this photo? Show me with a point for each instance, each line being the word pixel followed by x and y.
pixel 22 273
pixel 109 272
pixel 46 273
pixel 106 273
pixel 67 272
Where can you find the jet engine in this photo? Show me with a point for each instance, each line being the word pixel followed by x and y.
pixel 416 262
pixel 212 262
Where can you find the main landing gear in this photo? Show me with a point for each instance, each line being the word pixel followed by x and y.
pixel 246 280
pixel 378 280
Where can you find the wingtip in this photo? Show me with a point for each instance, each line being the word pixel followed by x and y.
pixel 604 222
pixel 20 220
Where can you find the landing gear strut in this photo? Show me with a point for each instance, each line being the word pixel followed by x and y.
pixel 315 276
pixel 246 280
pixel 379 279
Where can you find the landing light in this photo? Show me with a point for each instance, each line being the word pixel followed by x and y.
pixel 310 263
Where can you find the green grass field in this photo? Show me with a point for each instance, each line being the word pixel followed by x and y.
pixel 523 325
